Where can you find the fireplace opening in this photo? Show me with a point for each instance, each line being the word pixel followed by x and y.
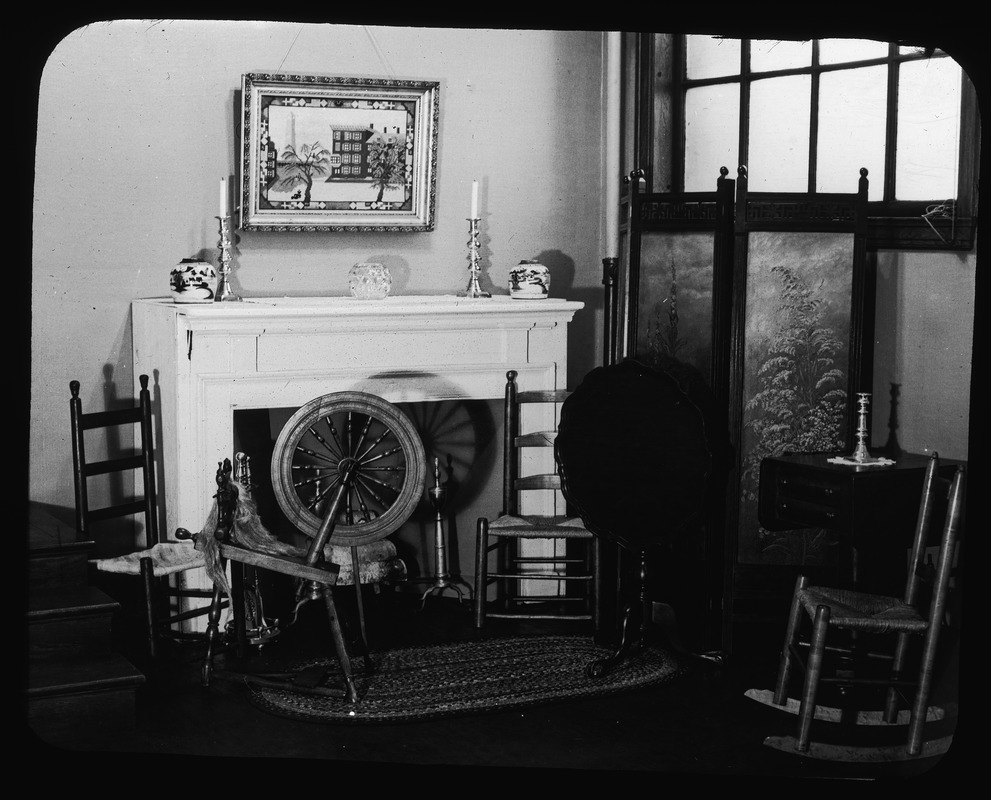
pixel 464 436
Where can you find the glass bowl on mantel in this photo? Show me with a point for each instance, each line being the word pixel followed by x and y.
pixel 369 281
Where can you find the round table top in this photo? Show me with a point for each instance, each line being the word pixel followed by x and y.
pixel 633 455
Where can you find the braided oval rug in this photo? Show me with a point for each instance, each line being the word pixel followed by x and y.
pixel 419 683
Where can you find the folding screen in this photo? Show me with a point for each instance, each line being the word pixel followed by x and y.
pixel 801 345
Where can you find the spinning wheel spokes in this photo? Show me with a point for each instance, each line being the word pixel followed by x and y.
pixel 365 435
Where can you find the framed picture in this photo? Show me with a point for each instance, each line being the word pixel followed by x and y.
pixel 337 154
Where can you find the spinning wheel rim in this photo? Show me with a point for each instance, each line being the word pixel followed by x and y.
pixel 385 422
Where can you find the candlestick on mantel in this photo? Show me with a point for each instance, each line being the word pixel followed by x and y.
pixel 474 266
pixel 474 200
pixel 223 198
pixel 224 291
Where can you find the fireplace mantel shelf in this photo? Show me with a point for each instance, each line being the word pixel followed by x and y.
pixel 436 306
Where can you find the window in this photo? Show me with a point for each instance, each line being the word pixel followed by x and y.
pixel 805 116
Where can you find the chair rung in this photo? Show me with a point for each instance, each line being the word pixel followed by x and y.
pixel 120 510
pixel 190 593
pixel 113 465
pixel 103 419
pixel 191 614
pixel 545 598
pixel 538 576
pixel 522 615
pixel 536 439
pixel 543 396
pixel 546 560
pixel 548 481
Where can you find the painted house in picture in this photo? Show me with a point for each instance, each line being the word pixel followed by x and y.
pixel 322 157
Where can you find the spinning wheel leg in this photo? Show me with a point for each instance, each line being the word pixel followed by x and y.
pixel 212 632
pixel 340 647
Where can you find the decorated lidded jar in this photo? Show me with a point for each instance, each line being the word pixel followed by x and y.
pixel 529 280
pixel 369 281
pixel 193 281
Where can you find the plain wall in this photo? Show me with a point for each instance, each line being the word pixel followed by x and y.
pixel 138 121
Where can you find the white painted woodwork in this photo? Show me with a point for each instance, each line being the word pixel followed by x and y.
pixel 207 360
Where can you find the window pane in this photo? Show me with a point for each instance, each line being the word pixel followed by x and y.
pixel 768 54
pixel 928 129
pixel 712 127
pixel 779 134
pixel 836 51
pixel 852 110
pixel 712 57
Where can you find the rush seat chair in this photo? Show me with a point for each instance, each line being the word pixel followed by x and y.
pixel 900 634
pixel 129 498
pixel 544 565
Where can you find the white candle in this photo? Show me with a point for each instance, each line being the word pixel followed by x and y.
pixel 474 200
pixel 223 197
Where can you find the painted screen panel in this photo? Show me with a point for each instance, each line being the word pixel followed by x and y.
pixel 796 375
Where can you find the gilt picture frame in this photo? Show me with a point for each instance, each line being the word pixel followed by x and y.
pixel 337 153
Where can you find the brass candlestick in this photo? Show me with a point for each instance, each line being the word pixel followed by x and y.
pixel 224 291
pixel 441 580
pixel 861 455
pixel 473 290
pixel 860 452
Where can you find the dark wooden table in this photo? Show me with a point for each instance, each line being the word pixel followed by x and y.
pixel 872 509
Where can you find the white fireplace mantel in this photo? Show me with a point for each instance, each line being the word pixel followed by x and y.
pixel 207 360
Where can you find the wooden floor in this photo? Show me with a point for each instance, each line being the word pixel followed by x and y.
pixel 701 726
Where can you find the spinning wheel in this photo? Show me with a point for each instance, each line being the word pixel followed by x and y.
pixel 358 435
pixel 348 469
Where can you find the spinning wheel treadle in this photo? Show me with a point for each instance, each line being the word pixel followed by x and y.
pixel 349 430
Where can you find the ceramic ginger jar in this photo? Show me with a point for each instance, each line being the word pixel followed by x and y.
pixel 529 280
pixel 193 281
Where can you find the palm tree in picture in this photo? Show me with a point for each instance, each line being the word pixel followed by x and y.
pixel 300 168
pixel 387 164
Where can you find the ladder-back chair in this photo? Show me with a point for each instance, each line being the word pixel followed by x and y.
pixel 158 559
pixel 549 550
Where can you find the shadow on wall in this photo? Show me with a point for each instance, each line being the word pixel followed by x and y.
pixel 584 348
